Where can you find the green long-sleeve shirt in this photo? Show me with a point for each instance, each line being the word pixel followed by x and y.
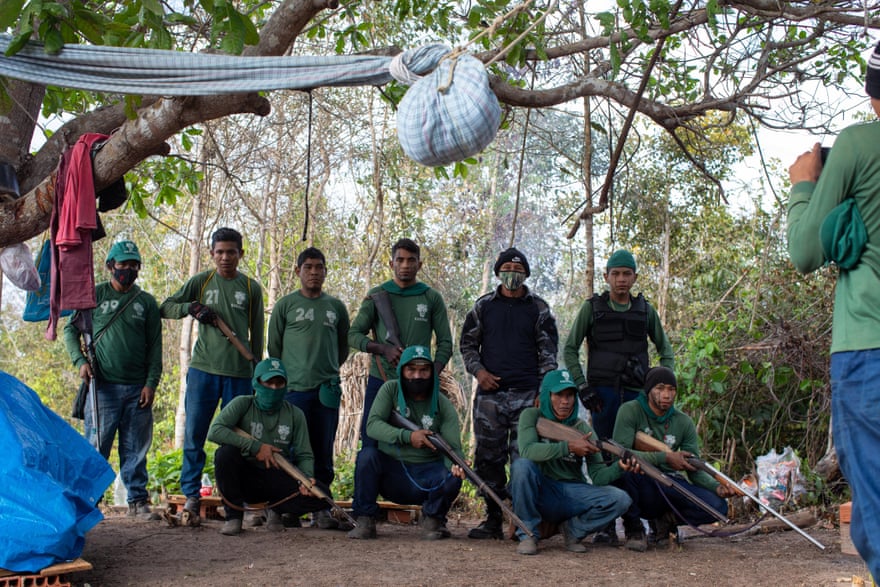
pixel 583 324
pixel 130 351
pixel 678 433
pixel 852 170
pixel 310 336
pixel 285 429
pixel 239 302
pixel 553 457
pixel 395 441
pixel 419 317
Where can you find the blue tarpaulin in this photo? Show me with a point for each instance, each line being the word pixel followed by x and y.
pixel 50 482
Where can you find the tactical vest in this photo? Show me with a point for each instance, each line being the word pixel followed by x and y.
pixel 618 344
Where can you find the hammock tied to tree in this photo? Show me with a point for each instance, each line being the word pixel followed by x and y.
pixel 448 114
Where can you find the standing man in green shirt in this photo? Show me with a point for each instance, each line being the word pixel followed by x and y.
pixel 420 312
pixel 217 371
pixel 849 177
pixel 246 468
pixel 128 348
pixel 308 331
pixel 616 326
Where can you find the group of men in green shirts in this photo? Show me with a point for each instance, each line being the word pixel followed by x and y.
pixel 289 403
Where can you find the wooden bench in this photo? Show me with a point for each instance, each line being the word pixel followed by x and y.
pixel 53 576
pixel 394 512
pixel 207 506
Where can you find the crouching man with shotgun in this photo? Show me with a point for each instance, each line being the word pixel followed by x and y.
pixel 547 482
pixel 406 467
pixel 258 434
pixel 654 413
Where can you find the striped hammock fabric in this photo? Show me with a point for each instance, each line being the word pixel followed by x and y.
pixel 448 115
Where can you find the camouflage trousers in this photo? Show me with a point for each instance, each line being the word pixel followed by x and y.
pixel 496 415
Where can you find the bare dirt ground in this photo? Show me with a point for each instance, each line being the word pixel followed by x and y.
pixel 127 551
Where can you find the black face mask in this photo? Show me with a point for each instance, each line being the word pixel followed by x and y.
pixel 418 387
pixel 125 277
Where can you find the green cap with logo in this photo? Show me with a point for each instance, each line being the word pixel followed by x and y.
pixel 269 368
pixel 124 251
pixel 557 380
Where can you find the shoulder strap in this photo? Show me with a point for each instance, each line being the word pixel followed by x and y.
pixel 116 315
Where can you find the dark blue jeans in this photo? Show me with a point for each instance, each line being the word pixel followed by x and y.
pixel 203 392
pixel 323 422
pixel 429 484
pixel 118 411
pixel 537 497
pixel 603 422
pixel 651 500
pixel 370 393
pixel 855 418
pixel 242 481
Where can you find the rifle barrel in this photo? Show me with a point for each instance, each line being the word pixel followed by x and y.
pixel 722 478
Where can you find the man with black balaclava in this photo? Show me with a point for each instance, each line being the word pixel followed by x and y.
pixel 508 342
pixel 127 335
pixel 405 468
pixel 246 469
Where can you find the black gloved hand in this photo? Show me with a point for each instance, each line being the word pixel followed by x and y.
pixel 590 398
pixel 202 313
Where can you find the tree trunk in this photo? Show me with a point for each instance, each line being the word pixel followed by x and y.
pixel 196 232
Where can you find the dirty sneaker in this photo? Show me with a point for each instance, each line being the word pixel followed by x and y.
pixel 231 527
pixel 142 510
pixel 324 520
pixel 490 528
pixel 527 546
pixel 366 529
pixel 274 522
pixel 433 528
pixel 193 504
pixel 572 542
pixel 636 541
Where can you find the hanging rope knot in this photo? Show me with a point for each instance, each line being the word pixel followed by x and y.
pixel 453 57
pixel 399 70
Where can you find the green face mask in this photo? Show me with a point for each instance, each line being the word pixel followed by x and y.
pixel 512 280
pixel 268 399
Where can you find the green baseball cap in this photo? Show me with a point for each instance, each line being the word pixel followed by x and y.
pixel 124 251
pixel 557 380
pixel 269 368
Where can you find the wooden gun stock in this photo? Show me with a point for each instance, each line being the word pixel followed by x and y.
pixel 556 431
pixel 646 442
pixel 396 419
pixel 386 314
pixel 297 474
pixel 239 346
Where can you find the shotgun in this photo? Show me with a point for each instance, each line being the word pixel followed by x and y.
pixel 83 323
pixel 297 474
pixel 396 419
pixel 556 431
pixel 645 442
